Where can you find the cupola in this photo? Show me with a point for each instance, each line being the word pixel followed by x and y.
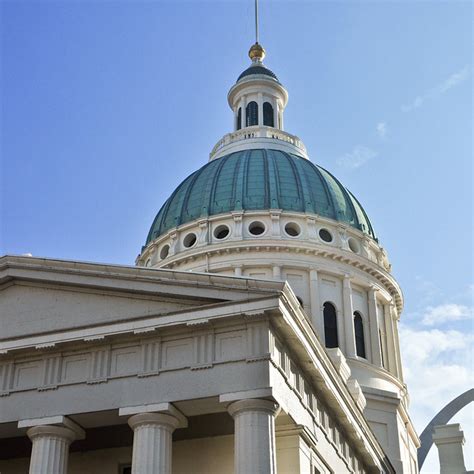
pixel 257 98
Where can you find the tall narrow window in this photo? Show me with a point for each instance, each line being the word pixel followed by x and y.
pixel 239 119
pixel 268 114
pixel 330 325
pixel 359 335
pixel 252 114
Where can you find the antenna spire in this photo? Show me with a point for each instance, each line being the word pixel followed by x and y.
pixel 256 21
pixel 256 53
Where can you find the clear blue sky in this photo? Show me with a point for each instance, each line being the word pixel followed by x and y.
pixel 107 106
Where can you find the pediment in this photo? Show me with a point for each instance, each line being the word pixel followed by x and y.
pixel 28 309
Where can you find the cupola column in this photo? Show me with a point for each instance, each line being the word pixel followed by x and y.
pixel 275 112
pixel 260 108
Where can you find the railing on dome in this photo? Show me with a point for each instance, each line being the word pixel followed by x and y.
pixel 257 132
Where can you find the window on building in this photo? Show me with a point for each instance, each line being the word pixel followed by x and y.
pixel 330 325
pixel 239 119
pixel 268 114
pixel 359 334
pixel 125 469
pixel 251 114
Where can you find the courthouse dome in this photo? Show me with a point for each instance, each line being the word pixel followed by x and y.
pixel 260 179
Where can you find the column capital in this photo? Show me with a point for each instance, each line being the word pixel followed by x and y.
pixel 51 431
pixel 52 422
pixel 163 420
pixel 253 404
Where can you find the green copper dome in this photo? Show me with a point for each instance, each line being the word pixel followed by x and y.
pixel 259 180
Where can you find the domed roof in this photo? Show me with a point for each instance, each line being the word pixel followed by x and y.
pixel 258 68
pixel 259 179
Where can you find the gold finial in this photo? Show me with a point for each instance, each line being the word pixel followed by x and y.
pixel 256 52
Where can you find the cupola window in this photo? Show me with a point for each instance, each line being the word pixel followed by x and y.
pixel 252 114
pixel 359 335
pixel 330 325
pixel 268 114
pixel 239 119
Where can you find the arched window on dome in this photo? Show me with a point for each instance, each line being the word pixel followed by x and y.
pixel 268 114
pixel 359 335
pixel 330 325
pixel 239 119
pixel 251 116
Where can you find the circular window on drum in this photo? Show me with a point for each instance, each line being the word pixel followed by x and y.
pixel 325 235
pixel 164 252
pixel 189 240
pixel 257 228
pixel 292 229
pixel 221 232
pixel 353 245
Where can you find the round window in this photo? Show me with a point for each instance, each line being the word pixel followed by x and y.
pixel 165 250
pixel 292 229
pixel 353 245
pixel 325 235
pixel 257 228
pixel 221 232
pixel 189 240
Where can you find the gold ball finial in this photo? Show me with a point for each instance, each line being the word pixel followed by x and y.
pixel 256 52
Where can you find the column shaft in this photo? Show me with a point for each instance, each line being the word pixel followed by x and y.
pixel 348 318
pixel 315 301
pixel 152 442
pixel 50 450
pixel 254 436
pixel 374 328
pixel 260 108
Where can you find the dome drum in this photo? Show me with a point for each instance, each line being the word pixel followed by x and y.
pixel 277 224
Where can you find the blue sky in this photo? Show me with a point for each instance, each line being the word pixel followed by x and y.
pixel 107 106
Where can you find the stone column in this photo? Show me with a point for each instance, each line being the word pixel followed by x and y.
pixel 50 449
pixel 391 362
pixel 254 436
pixel 260 109
pixel 374 328
pixel 393 310
pixel 348 317
pixel 449 440
pixel 275 113
pixel 315 301
pixel 276 272
pixel 152 442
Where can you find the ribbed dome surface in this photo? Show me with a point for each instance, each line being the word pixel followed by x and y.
pixel 259 180
pixel 258 69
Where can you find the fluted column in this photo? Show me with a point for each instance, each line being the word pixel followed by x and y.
pixel 254 445
pixel 152 442
pixel 374 328
pixel 348 317
pixel 50 450
pixel 315 301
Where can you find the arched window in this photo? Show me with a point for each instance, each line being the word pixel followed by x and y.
pixel 251 114
pixel 359 335
pixel 330 325
pixel 268 114
pixel 239 119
